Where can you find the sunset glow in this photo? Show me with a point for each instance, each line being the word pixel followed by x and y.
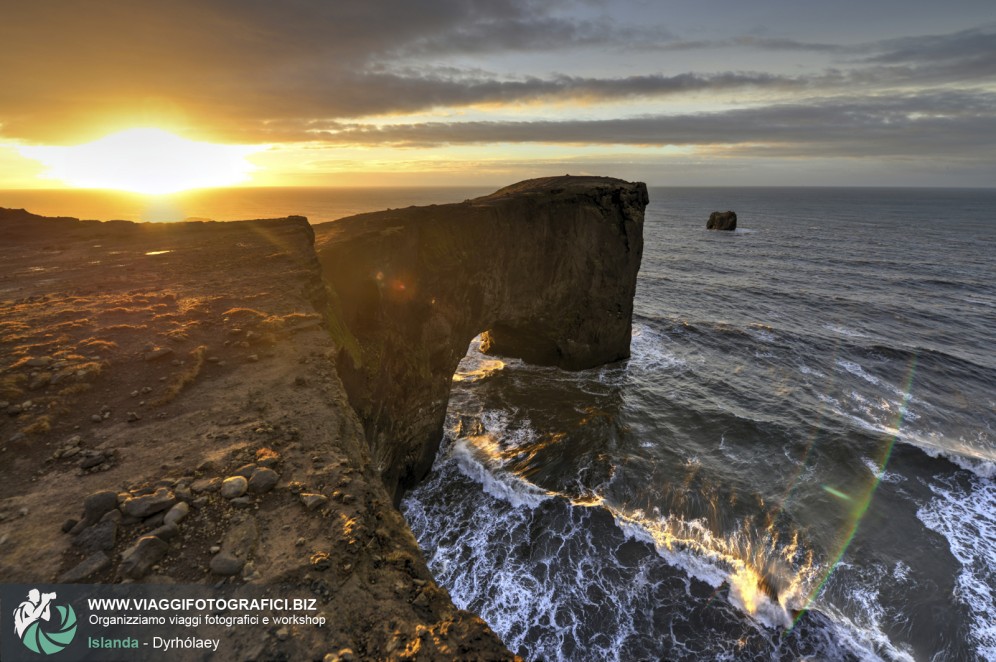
pixel 146 160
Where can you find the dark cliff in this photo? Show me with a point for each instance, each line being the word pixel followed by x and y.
pixel 545 269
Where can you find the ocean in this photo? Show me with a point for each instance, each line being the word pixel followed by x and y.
pixel 797 462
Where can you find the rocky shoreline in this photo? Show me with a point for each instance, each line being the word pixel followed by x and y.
pixel 215 404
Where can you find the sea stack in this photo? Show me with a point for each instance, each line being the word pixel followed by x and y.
pixel 722 220
pixel 545 269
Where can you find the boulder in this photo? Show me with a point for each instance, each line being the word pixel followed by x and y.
pixel 722 220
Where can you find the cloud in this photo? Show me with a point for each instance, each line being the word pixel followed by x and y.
pixel 930 125
pixel 308 71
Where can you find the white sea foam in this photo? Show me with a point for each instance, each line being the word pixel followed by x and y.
pixel 962 454
pixel 844 331
pixel 761 335
pixel 806 370
pixel 856 370
pixel 648 351
pixel 967 520
pixel 503 485
pixel 480 459
pixel 881 474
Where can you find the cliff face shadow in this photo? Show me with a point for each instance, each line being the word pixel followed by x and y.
pixel 545 270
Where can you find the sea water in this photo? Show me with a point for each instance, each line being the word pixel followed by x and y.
pixel 796 462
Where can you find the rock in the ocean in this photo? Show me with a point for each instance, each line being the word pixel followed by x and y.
pixel 722 220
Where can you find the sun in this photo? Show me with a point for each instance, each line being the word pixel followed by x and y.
pixel 150 161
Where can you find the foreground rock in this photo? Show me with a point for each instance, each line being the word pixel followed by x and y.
pixel 722 220
pixel 545 269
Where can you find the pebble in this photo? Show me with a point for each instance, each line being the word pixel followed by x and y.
pixel 227 564
pixel 98 503
pixel 94 507
pixel 138 559
pixel 92 461
pixel 158 353
pixel 245 470
pixel 132 417
pixel 321 561
pixel 166 532
pixel 40 380
pixel 177 513
pixel 90 566
pixel 205 485
pixel 100 536
pixel 267 457
pixel 312 501
pixel 234 487
pixel 263 480
pixel 96 418
pixel 149 504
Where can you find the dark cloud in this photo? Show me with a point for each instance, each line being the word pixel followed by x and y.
pixel 930 49
pixel 930 125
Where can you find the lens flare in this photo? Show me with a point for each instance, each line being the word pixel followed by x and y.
pixel 861 507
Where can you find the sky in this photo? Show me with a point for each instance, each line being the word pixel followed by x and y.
pixel 487 92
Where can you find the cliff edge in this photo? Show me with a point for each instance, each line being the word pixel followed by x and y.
pixel 237 405
pixel 545 269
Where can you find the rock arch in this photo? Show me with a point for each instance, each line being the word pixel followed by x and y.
pixel 546 269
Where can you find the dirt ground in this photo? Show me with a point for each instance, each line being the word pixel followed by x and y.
pixel 155 362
